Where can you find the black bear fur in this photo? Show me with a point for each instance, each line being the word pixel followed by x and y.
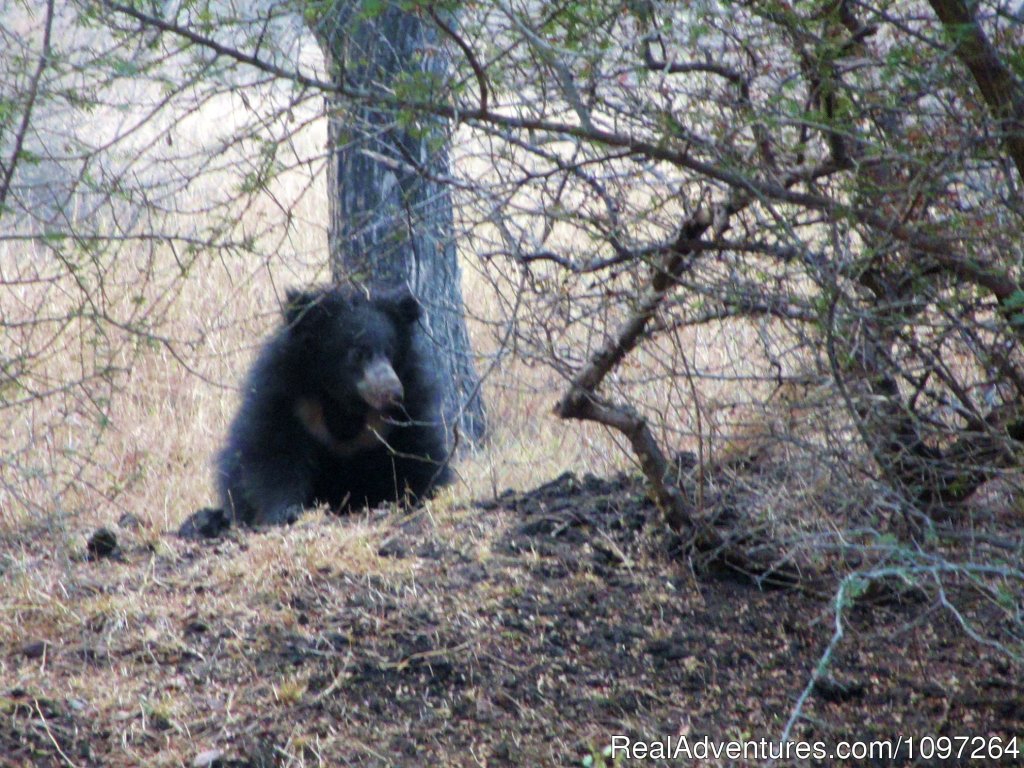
pixel 339 408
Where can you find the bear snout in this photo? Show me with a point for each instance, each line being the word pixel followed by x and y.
pixel 380 386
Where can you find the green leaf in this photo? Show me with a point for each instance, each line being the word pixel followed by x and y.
pixel 373 8
pixel 1015 300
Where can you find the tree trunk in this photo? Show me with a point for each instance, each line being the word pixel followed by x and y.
pixel 390 215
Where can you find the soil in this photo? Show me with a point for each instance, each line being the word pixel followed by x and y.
pixel 526 631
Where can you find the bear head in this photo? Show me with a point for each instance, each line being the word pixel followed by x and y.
pixel 352 348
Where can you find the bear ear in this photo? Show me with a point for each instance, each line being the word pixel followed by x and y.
pixel 402 306
pixel 297 304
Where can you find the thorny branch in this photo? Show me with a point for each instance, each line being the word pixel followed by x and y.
pixel 26 116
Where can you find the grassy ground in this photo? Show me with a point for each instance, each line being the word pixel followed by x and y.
pixel 530 630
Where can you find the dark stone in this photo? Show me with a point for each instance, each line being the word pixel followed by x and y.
pixel 207 523
pixel 102 544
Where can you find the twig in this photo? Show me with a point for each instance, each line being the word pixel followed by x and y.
pixel 478 71
pixel 46 726
pixel 33 91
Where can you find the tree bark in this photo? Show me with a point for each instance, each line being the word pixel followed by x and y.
pixel 1002 91
pixel 391 220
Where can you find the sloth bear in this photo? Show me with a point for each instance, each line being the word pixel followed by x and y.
pixel 339 408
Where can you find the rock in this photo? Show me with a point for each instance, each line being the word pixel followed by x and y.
pixel 35 649
pixel 207 523
pixel 102 544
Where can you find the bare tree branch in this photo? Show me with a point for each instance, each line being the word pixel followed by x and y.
pixel 27 113
pixel 1003 92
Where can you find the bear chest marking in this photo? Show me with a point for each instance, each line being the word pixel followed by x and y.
pixel 310 413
